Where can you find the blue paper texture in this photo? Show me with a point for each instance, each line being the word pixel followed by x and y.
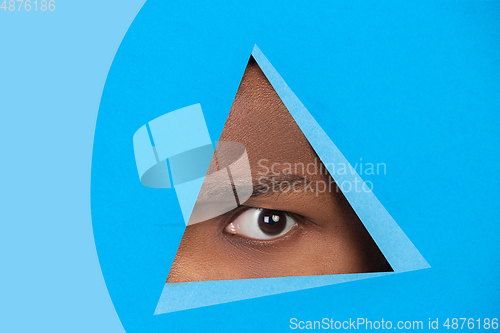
pixel 395 246
pixel 412 85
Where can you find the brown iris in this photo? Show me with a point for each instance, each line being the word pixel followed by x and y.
pixel 272 222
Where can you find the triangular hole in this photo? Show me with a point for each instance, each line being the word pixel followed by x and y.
pixel 319 234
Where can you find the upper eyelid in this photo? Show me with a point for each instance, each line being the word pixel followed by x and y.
pixel 297 217
pixel 244 208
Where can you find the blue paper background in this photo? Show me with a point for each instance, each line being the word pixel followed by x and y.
pixel 415 86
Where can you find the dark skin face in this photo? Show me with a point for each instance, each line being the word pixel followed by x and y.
pixel 325 235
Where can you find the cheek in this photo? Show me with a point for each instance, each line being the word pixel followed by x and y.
pixel 339 250
pixel 194 260
pixel 206 254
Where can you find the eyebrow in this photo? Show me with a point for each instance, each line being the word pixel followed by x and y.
pixel 279 184
pixel 265 186
pixel 220 197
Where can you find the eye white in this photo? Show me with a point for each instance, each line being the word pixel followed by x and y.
pixel 247 225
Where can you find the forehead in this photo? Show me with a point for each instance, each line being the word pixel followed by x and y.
pixel 260 121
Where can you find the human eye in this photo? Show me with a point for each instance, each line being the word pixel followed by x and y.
pixel 261 224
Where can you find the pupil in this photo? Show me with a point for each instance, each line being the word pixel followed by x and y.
pixel 272 222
